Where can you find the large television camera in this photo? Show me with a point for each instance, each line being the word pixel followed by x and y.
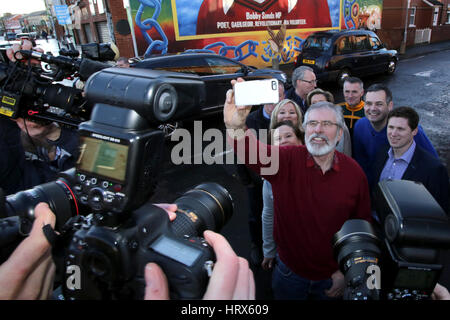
pixel 109 231
pixel 401 261
pixel 30 91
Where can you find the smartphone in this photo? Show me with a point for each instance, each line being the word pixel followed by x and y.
pixel 256 92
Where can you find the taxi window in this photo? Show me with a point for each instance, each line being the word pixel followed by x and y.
pixel 344 45
pixel 362 43
pixel 375 43
pixel 193 66
pixel 222 66
pixel 318 43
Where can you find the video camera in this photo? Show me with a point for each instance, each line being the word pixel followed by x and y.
pixel 400 261
pixel 30 91
pixel 108 230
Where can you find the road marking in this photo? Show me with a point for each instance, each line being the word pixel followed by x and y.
pixel 424 73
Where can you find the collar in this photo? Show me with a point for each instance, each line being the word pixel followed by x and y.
pixel 310 163
pixel 406 156
pixel 358 107
pixel 265 114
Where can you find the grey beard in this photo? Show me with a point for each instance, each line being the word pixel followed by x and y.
pixel 322 150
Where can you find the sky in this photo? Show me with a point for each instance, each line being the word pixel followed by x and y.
pixel 21 6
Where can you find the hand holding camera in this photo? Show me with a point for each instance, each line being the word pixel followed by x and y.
pixel 231 279
pixel 28 273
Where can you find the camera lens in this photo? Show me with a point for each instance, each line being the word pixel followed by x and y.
pixel 56 194
pixel 206 207
pixel 356 247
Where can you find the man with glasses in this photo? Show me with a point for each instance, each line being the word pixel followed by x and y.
pixel 303 82
pixel 315 189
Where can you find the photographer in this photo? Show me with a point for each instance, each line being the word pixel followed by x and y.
pixel 29 271
pixel 33 152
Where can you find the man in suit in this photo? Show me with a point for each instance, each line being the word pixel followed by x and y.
pixel 406 160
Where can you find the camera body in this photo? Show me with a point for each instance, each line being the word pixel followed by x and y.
pixel 112 260
pixel 404 251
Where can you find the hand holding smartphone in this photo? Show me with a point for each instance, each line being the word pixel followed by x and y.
pixel 256 92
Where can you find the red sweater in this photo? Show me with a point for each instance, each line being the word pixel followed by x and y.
pixel 248 15
pixel 310 207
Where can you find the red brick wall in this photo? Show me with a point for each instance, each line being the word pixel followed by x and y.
pixel 123 42
pixel 393 22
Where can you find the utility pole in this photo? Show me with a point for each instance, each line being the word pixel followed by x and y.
pixel 405 34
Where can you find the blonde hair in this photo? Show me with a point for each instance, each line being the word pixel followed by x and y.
pixel 276 111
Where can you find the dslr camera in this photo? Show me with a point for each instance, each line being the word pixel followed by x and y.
pixel 109 231
pixel 400 260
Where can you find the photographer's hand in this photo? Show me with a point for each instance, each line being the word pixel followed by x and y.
pixel 231 277
pixel 337 288
pixel 25 45
pixel 28 273
pixel 440 293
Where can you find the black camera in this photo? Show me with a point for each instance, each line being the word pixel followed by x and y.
pixel 401 260
pixel 108 230
pixel 30 91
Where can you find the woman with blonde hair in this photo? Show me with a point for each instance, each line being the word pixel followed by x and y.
pixel 287 109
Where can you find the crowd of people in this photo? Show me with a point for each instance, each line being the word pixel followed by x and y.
pixel 330 158
pixel 347 149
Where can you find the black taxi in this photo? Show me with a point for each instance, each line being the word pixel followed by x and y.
pixel 335 55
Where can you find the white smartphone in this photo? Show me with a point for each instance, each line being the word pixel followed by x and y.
pixel 256 92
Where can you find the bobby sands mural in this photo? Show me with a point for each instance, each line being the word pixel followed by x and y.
pixel 220 16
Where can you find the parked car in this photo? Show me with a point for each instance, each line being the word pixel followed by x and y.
pixel 10 36
pixel 214 70
pixel 335 55
pixel 27 35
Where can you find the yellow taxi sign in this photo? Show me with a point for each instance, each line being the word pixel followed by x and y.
pixel 307 61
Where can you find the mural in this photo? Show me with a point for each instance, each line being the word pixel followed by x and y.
pixel 256 32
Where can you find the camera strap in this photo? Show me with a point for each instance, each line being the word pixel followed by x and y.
pixel 50 234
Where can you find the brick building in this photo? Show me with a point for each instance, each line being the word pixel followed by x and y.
pixel 97 21
pixel 409 22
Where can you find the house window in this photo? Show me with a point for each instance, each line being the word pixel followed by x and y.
pixel 435 16
pixel 448 16
pixel 100 7
pixel 412 17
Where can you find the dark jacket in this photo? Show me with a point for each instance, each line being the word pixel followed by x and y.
pixel 292 95
pixel 256 121
pixel 423 168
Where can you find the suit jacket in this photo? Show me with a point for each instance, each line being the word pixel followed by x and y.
pixel 423 168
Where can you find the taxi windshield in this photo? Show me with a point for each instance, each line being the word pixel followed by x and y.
pixel 322 43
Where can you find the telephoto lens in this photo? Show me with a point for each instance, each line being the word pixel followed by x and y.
pixel 57 195
pixel 208 206
pixel 356 247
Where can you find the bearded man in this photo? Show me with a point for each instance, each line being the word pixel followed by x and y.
pixel 315 190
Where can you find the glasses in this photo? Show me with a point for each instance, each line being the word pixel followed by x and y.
pixel 324 124
pixel 309 81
